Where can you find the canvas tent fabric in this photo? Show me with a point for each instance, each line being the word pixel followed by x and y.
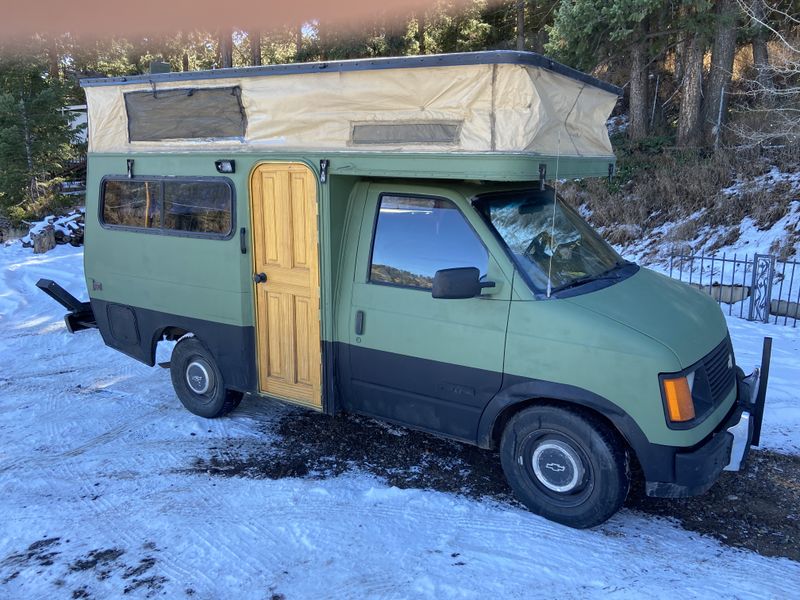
pixel 495 107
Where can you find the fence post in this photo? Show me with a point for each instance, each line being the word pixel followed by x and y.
pixel 761 290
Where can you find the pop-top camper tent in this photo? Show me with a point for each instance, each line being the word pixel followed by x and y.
pixel 482 102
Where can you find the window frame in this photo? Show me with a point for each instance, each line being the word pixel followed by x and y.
pixel 375 233
pixel 162 230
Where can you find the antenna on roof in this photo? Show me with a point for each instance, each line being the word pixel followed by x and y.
pixel 553 222
pixel 555 194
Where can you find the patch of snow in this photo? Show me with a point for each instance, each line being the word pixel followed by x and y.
pixel 667 239
pixel 67 224
pixel 767 181
pixel 655 249
pixel 753 240
pixel 781 427
pixel 618 124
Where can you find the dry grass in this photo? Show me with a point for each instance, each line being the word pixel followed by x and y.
pixel 684 187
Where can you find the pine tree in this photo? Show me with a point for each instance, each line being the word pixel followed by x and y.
pixel 588 32
pixel 35 135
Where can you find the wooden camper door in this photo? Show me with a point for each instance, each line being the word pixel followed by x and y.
pixel 283 199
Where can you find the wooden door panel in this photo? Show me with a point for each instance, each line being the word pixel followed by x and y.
pixel 300 242
pixel 284 210
pixel 275 319
pixel 268 248
pixel 302 329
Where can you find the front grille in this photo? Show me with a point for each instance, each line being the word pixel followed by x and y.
pixel 721 377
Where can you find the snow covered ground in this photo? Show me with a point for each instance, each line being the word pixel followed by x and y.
pixel 98 498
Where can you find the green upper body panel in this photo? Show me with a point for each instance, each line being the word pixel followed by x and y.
pixel 190 276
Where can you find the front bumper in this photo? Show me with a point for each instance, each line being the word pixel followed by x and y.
pixel 695 470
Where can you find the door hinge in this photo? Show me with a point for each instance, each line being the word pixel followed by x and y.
pixel 323 170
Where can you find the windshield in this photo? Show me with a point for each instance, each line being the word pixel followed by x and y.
pixel 549 240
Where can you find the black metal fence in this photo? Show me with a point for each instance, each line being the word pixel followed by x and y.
pixel 756 287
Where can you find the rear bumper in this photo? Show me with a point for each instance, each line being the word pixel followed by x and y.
pixel 695 470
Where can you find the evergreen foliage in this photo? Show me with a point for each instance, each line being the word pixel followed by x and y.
pixel 36 140
pixel 586 33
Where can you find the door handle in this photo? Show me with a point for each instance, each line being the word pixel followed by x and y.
pixel 359 322
pixel 260 278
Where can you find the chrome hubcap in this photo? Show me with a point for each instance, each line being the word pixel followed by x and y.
pixel 557 466
pixel 198 377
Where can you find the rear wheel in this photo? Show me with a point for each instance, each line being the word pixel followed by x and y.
pixel 198 381
pixel 566 465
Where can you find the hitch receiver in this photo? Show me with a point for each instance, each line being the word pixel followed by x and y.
pixel 80 315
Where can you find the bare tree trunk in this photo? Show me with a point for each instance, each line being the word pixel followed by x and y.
pixel 255 48
pixel 520 25
pixel 225 49
pixel 421 33
pixel 638 94
pixel 298 41
pixel 185 62
pixel 322 39
pixel 689 116
pixel 760 52
pixel 680 54
pixel 680 48
pixel 722 54
pixel 33 184
pixel 52 59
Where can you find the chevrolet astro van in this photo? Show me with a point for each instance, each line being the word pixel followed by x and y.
pixel 383 237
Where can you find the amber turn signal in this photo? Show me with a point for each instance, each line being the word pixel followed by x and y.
pixel 680 406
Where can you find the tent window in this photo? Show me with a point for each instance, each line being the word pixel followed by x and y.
pixel 384 132
pixel 188 113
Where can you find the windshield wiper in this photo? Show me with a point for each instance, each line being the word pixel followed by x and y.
pixel 608 274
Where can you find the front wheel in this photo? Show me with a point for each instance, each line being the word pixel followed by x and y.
pixel 198 381
pixel 566 465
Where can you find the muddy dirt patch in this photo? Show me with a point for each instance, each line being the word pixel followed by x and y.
pixel 101 564
pixel 41 553
pixel 319 446
pixel 757 509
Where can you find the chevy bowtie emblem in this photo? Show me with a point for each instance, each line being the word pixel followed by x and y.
pixel 555 467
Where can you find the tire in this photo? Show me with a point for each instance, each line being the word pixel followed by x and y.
pixel 566 465
pixel 198 381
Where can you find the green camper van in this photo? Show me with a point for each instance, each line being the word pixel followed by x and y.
pixel 383 237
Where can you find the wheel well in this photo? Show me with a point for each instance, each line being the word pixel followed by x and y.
pixel 171 334
pixel 165 334
pixel 505 416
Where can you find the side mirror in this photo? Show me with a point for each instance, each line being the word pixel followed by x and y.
pixel 460 282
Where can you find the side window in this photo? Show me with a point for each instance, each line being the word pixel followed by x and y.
pixel 132 204
pixel 203 207
pixel 194 206
pixel 415 237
